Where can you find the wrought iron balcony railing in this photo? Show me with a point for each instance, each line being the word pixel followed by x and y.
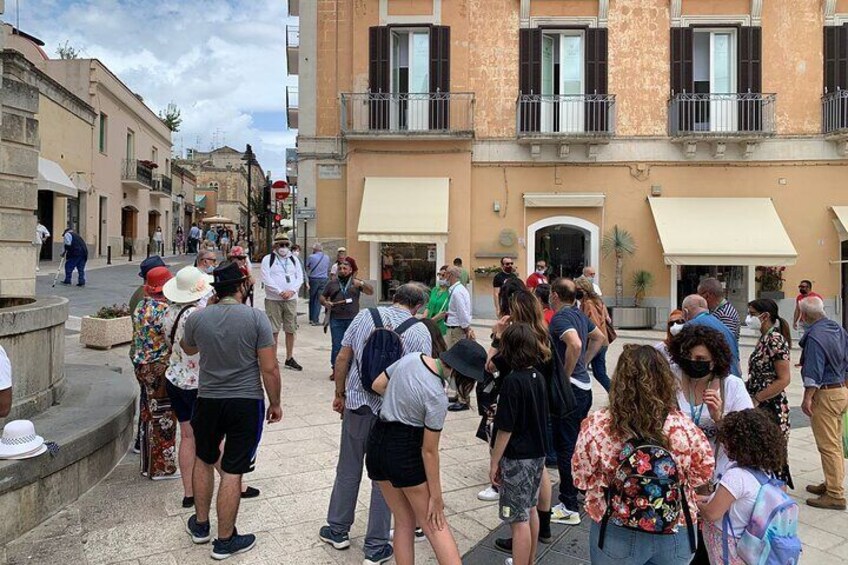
pixel 721 115
pixel 162 183
pixel 133 171
pixel 428 113
pixel 835 113
pixel 565 115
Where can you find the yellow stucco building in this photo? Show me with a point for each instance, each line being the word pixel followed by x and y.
pixel 714 131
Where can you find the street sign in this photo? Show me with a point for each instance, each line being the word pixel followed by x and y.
pixel 305 214
pixel 280 190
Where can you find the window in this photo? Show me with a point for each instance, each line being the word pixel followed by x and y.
pixel 714 72
pixel 130 145
pixel 104 127
pixel 154 155
pixel 562 81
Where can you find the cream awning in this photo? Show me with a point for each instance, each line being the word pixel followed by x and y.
pixel 52 177
pixel 564 200
pixel 404 210
pixel 721 231
pixel 841 221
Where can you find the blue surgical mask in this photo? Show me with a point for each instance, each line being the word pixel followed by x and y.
pixel 443 282
pixel 208 269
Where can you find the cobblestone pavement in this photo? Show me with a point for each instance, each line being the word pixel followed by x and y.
pixel 127 519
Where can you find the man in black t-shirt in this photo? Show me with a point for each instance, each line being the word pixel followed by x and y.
pixel 341 298
pixel 507 272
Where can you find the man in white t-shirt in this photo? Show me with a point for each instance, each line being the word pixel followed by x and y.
pixel 5 384
pixel 42 234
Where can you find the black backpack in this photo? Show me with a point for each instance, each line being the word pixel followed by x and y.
pixel 382 348
pixel 274 258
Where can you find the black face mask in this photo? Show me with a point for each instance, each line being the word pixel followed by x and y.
pixel 695 369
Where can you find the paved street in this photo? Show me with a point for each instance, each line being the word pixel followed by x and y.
pixel 129 520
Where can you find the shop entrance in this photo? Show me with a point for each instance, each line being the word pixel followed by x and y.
pixel 45 216
pixel 734 279
pixel 129 217
pixel 401 263
pixel 565 243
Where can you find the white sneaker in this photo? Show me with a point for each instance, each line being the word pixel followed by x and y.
pixel 489 494
pixel 562 515
pixel 508 561
pixel 419 534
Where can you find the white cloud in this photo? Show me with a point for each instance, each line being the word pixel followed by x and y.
pixel 223 62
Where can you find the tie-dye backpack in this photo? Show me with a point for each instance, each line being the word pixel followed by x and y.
pixel 771 536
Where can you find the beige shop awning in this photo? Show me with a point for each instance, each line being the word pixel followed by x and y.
pixel 52 177
pixel 721 231
pixel 841 221
pixel 404 210
pixel 564 200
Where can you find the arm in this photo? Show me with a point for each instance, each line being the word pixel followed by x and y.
pixel 188 349
pixel 496 293
pixel 5 402
pixel 364 287
pixel 266 276
pixel 796 316
pixel 381 383
pixel 430 454
pixel 714 508
pixel 573 347
pixel 270 368
pixel 340 372
pixel 597 339
pixel 779 384
pixel 501 442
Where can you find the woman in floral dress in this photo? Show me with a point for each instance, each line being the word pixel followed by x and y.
pixel 150 359
pixel 768 368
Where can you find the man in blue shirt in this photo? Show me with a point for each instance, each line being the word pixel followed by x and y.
pixel 823 364
pixel 76 255
pixel 576 342
pixel 318 271
pixel 696 313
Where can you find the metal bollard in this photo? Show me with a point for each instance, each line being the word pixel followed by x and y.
pixel 148 250
pixel 108 254
pixel 131 250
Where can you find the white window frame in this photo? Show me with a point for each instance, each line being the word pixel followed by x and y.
pixel 417 110
pixel 729 107
pixel 571 107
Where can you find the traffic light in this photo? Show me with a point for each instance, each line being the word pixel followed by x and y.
pixel 266 195
pixel 278 218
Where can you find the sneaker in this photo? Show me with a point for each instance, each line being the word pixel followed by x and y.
pixel 508 561
pixel 199 532
pixel 562 515
pixel 136 448
pixel 458 407
pixel 166 477
pixel 188 502
pixel 381 556
pixel 222 549
pixel 293 365
pixel 250 492
pixel 338 541
pixel 504 544
pixel 419 534
pixel 489 494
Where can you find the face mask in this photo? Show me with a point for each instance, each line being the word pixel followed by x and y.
pixel 675 328
pixel 540 271
pixel 344 279
pixel 507 269
pixel 804 291
pixel 591 279
pixel 695 369
pixel 443 282
pixel 297 253
pixel 753 322
pixel 208 269
pixel 283 251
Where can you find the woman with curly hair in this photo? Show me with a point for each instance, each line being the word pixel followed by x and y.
pixel 754 440
pixel 594 308
pixel 642 378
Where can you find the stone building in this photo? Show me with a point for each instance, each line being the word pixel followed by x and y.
pixel 713 131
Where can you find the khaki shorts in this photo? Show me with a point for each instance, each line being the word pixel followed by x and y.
pixel 283 314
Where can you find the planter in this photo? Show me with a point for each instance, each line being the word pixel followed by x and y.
pixel 633 318
pixel 486 275
pixel 103 333
pixel 773 294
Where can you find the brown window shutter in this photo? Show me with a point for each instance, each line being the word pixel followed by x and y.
pixel 439 77
pixel 379 73
pixel 842 57
pixel 529 77
pixel 831 51
pixel 597 108
pixel 682 77
pixel 750 78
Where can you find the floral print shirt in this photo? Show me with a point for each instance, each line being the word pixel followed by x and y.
pixel 148 319
pixel 596 459
pixel 183 369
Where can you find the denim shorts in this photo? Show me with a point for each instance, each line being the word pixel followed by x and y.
pixel 623 545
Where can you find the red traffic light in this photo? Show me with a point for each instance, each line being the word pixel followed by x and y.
pixel 281 190
pixel 277 218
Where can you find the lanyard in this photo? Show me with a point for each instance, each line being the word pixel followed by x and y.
pixel 696 416
pixel 343 287
pixel 440 368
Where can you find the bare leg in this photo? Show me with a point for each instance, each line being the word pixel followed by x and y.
pixel 276 341
pixel 442 541
pixel 544 503
pixel 203 481
pixel 289 345
pixel 404 540
pixel 522 543
pixel 534 536
pixel 187 457
pixel 221 473
pixel 229 496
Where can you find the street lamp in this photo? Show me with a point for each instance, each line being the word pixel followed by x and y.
pixel 250 159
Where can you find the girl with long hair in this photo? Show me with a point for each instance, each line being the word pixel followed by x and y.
pixel 595 309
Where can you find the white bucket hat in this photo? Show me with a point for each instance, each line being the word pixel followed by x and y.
pixel 20 441
pixel 190 285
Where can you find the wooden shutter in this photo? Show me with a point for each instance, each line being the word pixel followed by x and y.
pixel 529 78
pixel 597 109
pixel 682 77
pixel 379 75
pixel 836 58
pixel 750 78
pixel 440 77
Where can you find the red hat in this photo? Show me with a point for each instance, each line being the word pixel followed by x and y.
pixel 156 279
pixel 238 251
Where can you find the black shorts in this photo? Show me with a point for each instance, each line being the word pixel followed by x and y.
pixel 236 420
pixel 394 454
pixel 182 401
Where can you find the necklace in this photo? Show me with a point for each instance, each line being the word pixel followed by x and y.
pixel 696 415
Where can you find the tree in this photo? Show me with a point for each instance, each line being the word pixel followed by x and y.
pixel 620 243
pixel 67 51
pixel 171 117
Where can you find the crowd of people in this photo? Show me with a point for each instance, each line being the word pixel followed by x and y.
pixel 680 479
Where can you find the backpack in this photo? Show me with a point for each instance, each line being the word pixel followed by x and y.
pixel 771 536
pixel 382 348
pixel 274 258
pixel 647 492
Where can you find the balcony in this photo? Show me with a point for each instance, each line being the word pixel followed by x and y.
pixel 835 115
pixel 294 8
pixel 292 48
pixel 291 107
pixel 367 115
pixel 162 184
pixel 135 174
pixel 291 165
pixel 565 116
pixel 717 116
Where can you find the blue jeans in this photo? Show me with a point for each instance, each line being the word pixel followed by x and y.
pixel 565 432
pixel 337 331
pixel 316 288
pixel 77 263
pixel 599 368
pixel 622 545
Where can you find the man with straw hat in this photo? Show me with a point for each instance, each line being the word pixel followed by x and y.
pixel 282 274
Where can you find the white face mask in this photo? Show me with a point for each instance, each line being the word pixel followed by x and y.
pixel 540 271
pixel 591 279
pixel 297 253
pixel 753 322
pixel 283 251
pixel 675 328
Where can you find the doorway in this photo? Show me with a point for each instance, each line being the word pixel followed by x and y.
pixel 401 263
pixel 45 216
pixel 566 243
pixel 734 279
pixel 129 219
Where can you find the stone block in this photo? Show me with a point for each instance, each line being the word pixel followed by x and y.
pixel 18 226
pixel 31 132
pixel 18 160
pixel 13 128
pixel 22 194
pixel 16 94
pixel 17 287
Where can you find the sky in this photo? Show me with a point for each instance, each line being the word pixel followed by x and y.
pixel 222 62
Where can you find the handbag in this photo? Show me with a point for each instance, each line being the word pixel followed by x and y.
pixel 611 333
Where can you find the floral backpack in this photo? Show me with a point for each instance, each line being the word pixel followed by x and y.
pixel 647 492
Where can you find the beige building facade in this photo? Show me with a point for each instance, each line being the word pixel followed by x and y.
pixel 549 122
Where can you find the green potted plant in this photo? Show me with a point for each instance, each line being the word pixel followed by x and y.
pixel 771 282
pixel 109 326
pixel 489 271
pixel 619 243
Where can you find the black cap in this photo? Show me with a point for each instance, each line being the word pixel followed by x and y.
pixel 227 273
pixel 468 358
pixel 149 263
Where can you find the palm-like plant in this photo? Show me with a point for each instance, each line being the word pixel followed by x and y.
pixel 642 281
pixel 620 243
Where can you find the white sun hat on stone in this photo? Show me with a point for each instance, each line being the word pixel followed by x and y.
pixel 20 441
pixel 189 285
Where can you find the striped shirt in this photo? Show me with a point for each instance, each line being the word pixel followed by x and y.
pixel 415 339
pixel 728 316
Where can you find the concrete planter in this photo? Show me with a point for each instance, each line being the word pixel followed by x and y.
pixel 632 317
pixel 102 333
